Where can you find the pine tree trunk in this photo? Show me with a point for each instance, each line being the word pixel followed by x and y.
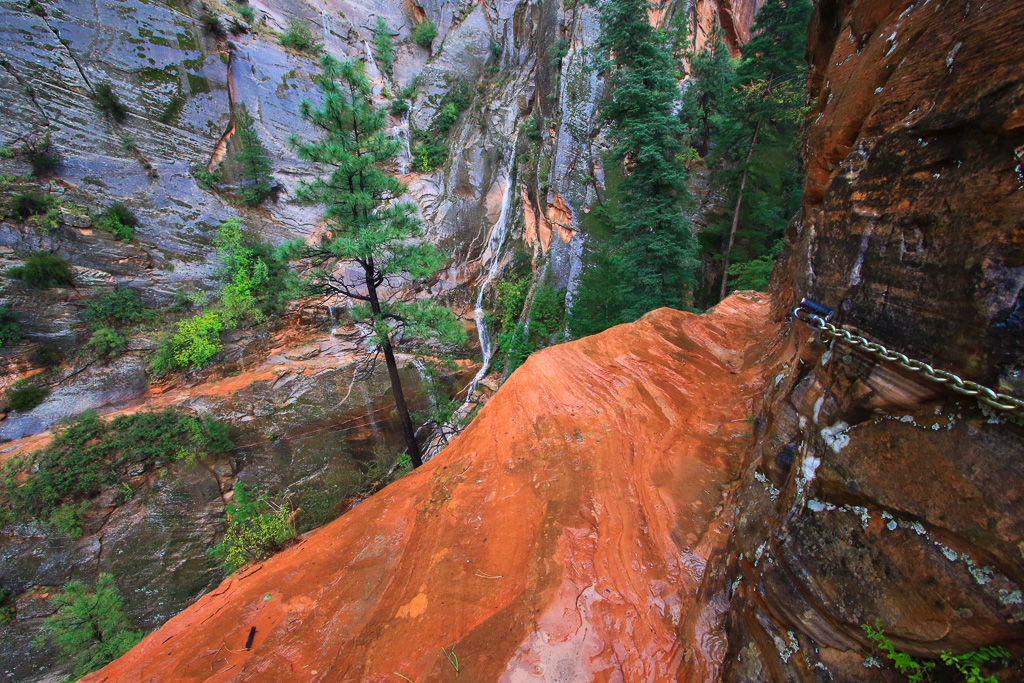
pixel 736 213
pixel 411 447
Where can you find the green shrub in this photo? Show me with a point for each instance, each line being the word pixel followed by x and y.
pixel 90 454
pixel 399 108
pixel 10 330
pixel 43 157
pixel 42 270
pixel 46 356
pixel 163 360
pixel 6 153
pixel 299 37
pixel 108 102
pixel 204 178
pixel 211 23
pixel 172 110
pixel 558 50
pixel 127 142
pixel 106 342
pixel 7 607
pixel 385 47
pixel 36 8
pixel 119 221
pixel 257 528
pixel 90 629
pixel 120 308
pixel 197 339
pixel 423 33
pixel 968 664
pixel 246 12
pixel 30 203
pixel 23 396
pixel 68 518
pixel 249 154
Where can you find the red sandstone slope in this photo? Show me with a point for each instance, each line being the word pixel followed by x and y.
pixel 561 537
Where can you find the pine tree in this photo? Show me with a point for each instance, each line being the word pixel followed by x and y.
pixel 90 628
pixel 368 228
pixel 385 47
pixel 711 80
pixel 657 247
pixel 251 157
pixel 761 132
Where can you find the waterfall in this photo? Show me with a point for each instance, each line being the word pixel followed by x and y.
pixel 491 259
pixel 405 158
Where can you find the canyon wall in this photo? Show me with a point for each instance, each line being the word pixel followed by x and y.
pixel 875 496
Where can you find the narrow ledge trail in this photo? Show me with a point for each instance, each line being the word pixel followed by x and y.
pixel 562 536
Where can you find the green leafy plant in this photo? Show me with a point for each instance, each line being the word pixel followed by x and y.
pixel 197 339
pixel 211 23
pixel 42 270
pixel 43 157
pixel 249 154
pixel 46 356
pixel 119 308
pixel 89 454
pixel 106 342
pixel 68 518
pixel 257 528
pixel 10 329
pixel 31 203
pixel 109 103
pixel 119 221
pixel 399 108
pixel 7 608
pixel 385 47
pixel 172 110
pixel 968 664
pixel 246 12
pixel 423 33
pixel 205 179
pixel 90 628
pixel 24 395
pixel 558 50
pixel 127 142
pixel 452 658
pixel 299 37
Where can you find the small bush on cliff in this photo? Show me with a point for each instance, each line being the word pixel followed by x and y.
pixel 106 342
pixel 43 270
pixel 68 518
pixel 43 156
pixel 120 308
pixel 119 221
pixel 90 628
pixel 385 47
pixel 257 528
pixel 423 33
pixel 30 203
pixel 250 157
pixel 90 454
pixel 23 395
pixel 109 103
pixel 299 37
pixel 10 330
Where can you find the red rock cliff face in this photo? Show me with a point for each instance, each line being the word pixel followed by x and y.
pixel 562 536
pixel 873 495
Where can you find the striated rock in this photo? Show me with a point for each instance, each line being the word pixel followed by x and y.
pixel 563 534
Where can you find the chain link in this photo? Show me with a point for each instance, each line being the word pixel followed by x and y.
pixel 958 384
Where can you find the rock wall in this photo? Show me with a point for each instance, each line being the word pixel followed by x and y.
pixel 873 495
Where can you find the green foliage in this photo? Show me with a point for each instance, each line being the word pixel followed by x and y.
pixel 197 339
pixel 431 150
pixel 46 356
pixel 385 47
pixel 712 77
pixel 90 454
pixel 35 7
pixel 257 278
pixel 968 664
pixel 120 308
pixel 299 37
pixel 557 51
pixel 211 23
pixel 90 628
pixel 251 156
pixel 547 314
pixel 399 108
pixel 204 178
pixel 68 518
pixel 43 156
pixel 172 110
pixel 653 249
pixel 23 395
pixel 30 203
pixel 752 274
pixel 10 329
pixel 43 270
pixel 246 12
pixel 7 608
pixel 106 342
pixel 368 228
pixel 509 300
pixel 6 153
pixel 757 142
pixel 423 33
pixel 515 346
pixel 119 221
pixel 109 103
pixel 597 303
pixel 257 528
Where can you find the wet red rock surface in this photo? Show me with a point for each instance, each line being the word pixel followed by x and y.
pixel 561 537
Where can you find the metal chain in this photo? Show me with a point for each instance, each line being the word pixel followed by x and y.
pixel 810 316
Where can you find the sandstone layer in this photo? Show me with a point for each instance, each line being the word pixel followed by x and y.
pixel 564 533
